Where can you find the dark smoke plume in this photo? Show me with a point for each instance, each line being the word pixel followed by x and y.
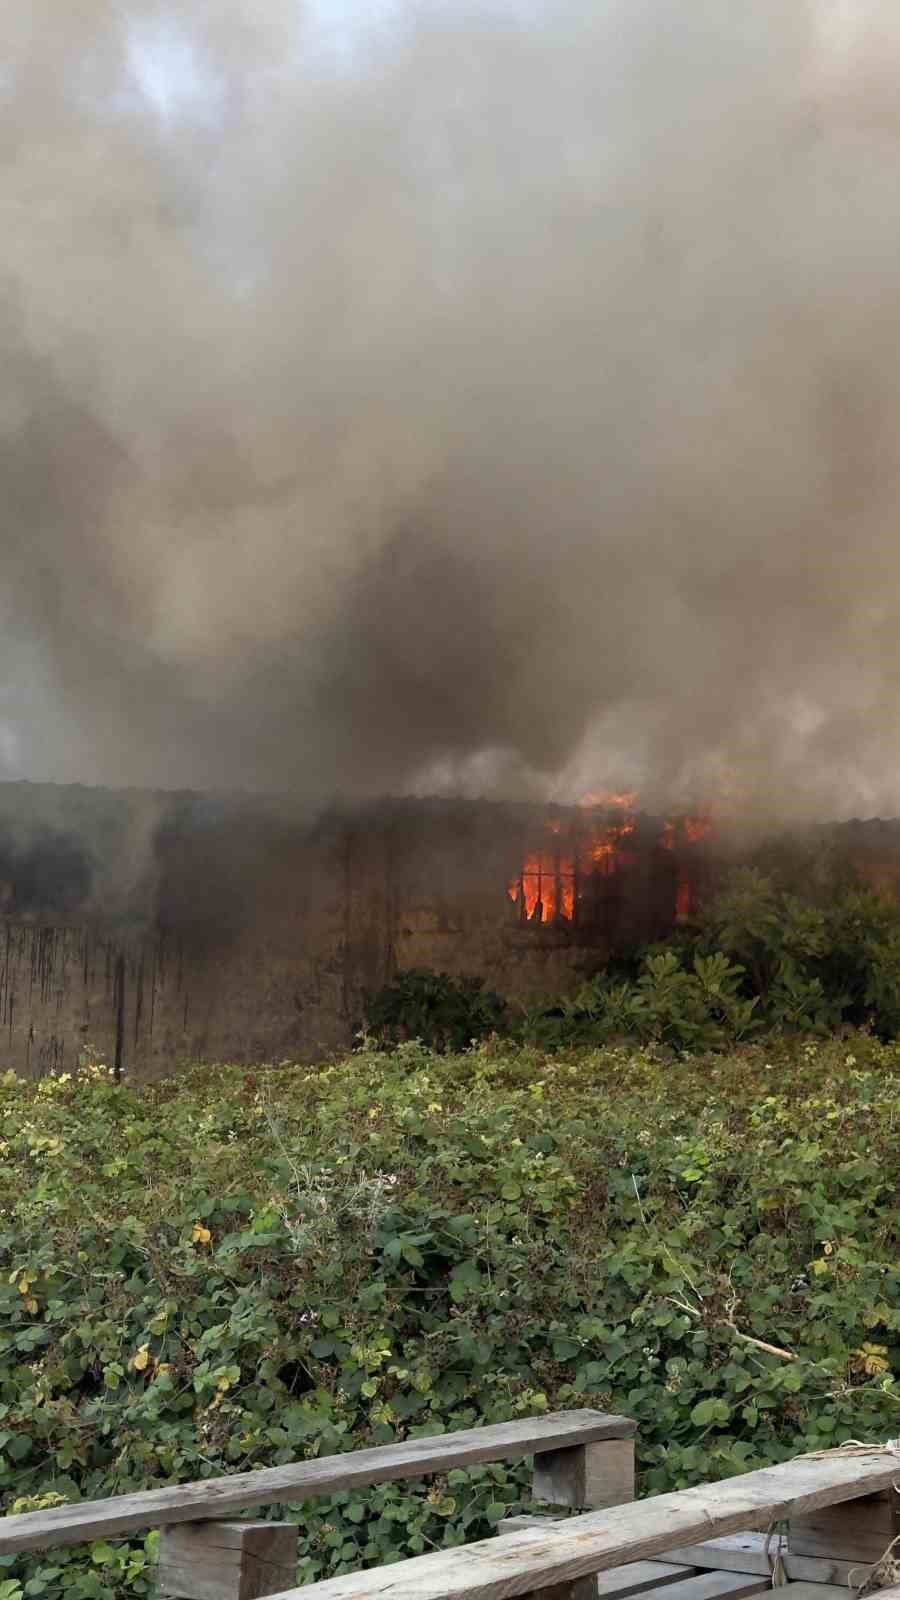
pixel 463 395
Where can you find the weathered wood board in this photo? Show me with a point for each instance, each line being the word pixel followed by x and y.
pixel 716 1586
pixel 746 1552
pixel 593 1475
pixel 226 1560
pixel 859 1532
pixel 620 1582
pixel 521 1563
pixel 216 1497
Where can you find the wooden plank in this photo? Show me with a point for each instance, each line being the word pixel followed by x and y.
pixel 814 1591
pixel 861 1532
pixel 591 1475
pixel 619 1582
pixel 530 1519
pixel 520 1563
pixel 579 1590
pixel 746 1552
pixel 864 1545
pixel 211 1497
pixel 636 1577
pixel 227 1560
pixel 718 1586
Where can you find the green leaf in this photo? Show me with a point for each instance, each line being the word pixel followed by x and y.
pixel 710 1411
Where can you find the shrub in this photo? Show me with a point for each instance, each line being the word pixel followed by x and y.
pixel 811 962
pixel 228 1270
pixel 756 956
pixel 695 1005
pixel 446 1013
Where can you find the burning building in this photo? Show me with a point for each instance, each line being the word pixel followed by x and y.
pixel 157 928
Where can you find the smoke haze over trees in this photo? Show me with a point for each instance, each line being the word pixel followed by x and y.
pixel 482 396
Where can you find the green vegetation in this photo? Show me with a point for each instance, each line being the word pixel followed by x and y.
pixel 229 1270
pixel 448 1013
pixel 760 956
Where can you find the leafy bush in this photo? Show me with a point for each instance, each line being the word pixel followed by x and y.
pixel 757 956
pixel 233 1270
pixel 444 1012
pixel 812 962
pixel 689 1007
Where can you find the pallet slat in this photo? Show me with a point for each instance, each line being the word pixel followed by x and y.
pixel 815 1591
pixel 857 1533
pixel 520 1563
pixel 714 1586
pixel 746 1552
pixel 216 1497
pixel 619 1582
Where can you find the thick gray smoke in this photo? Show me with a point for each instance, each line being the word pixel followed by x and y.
pixel 468 395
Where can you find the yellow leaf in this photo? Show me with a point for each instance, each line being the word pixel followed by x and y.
pixel 874 1359
pixel 142 1359
pixel 199 1234
pixel 31 1304
pixel 819 1267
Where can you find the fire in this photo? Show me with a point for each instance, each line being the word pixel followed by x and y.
pixel 606 845
pixel 545 888
pixel 624 799
pixel 684 830
pixel 697 828
pixel 556 880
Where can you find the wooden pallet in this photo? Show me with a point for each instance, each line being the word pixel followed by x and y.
pixel 712 1542
pixel 580 1458
pixel 718 1569
pixel 551 1561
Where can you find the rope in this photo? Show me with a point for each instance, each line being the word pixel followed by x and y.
pixel 777 1573
pixel 885 1572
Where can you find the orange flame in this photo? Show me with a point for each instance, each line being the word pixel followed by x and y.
pixel 605 848
pixel 697 828
pixel 686 830
pixel 626 799
pixel 546 888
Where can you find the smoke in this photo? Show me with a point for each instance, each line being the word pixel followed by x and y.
pixel 480 396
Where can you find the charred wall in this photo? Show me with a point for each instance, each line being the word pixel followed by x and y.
pixel 159 928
